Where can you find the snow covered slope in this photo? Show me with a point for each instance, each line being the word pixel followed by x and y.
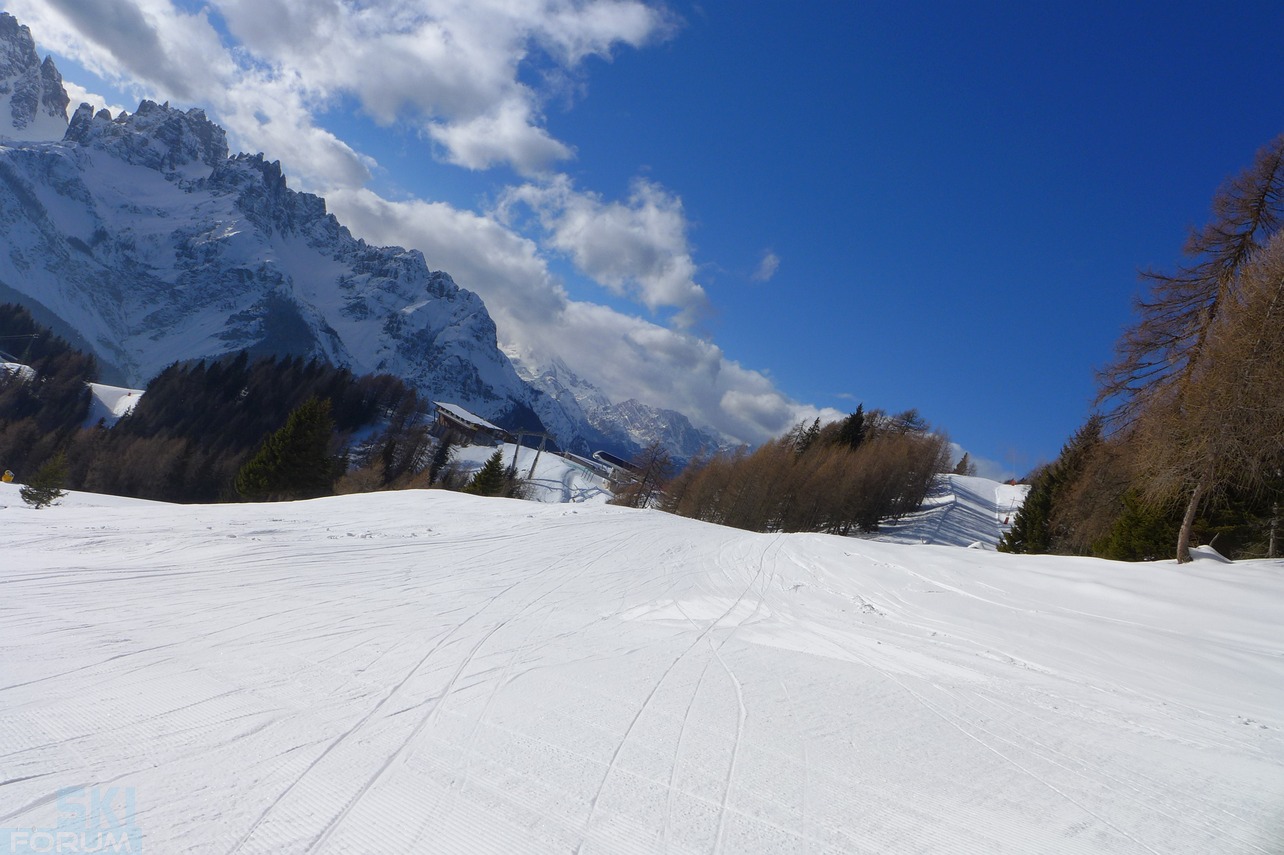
pixel 110 404
pixel 553 478
pixel 18 368
pixel 431 672
pixel 961 510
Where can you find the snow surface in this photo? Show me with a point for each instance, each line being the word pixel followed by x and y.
pixel 435 672
pixel 554 479
pixel 109 404
pixel 961 510
pixel 24 371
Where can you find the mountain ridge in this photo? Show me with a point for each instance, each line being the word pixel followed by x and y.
pixel 143 238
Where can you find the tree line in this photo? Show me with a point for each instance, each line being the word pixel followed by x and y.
pixel 217 430
pixel 841 477
pixel 1187 444
pixel 285 428
pixel 39 415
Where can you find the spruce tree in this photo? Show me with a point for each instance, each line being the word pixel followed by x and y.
pixel 491 479
pixel 1031 526
pixel 1033 529
pixel 440 458
pixel 852 431
pixel 295 461
pixel 46 486
pixel 803 438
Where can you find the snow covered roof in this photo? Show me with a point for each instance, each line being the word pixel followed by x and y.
pixel 468 418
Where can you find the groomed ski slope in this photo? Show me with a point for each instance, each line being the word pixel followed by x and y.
pixel 433 672
pixel 960 510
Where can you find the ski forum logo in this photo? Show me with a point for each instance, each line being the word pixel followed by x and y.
pixel 89 819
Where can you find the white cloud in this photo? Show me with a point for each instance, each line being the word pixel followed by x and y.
pixel 637 248
pixel 625 356
pixel 452 68
pixel 264 112
pixel 985 468
pixel 505 134
pixel 153 50
pixel 80 95
pixel 172 52
pixel 630 357
pixel 767 267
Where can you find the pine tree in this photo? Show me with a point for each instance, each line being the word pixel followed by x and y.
pixel 295 461
pixel 491 479
pixel 46 486
pixel 802 438
pixel 1030 532
pixel 440 458
pixel 852 432
pixel 1033 530
pixel 965 466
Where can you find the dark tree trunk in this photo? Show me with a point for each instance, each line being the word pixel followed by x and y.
pixel 1188 520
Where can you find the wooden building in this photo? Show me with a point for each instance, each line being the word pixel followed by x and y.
pixel 465 428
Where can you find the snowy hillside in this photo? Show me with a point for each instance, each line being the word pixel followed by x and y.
pixel 110 404
pixel 550 478
pixel 961 510
pixel 432 672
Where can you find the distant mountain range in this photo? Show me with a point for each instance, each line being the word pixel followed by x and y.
pixel 141 239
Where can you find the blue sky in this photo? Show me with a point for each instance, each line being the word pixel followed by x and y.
pixel 754 212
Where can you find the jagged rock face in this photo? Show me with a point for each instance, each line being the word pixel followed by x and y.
pixel 564 406
pixel 624 428
pixel 143 237
pixel 156 136
pixel 33 103
pixel 645 425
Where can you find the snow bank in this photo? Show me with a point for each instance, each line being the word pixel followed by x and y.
pixel 433 672
pixel 109 404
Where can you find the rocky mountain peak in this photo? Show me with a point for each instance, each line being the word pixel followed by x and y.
pixel 33 102
pixel 157 136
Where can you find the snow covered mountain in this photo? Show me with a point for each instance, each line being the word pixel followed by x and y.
pixel 620 428
pixel 143 236
pixel 33 103
pixel 138 237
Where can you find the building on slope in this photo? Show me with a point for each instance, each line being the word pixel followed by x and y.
pixel 465 428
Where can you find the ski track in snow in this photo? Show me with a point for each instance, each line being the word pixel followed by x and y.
pixel 430 672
